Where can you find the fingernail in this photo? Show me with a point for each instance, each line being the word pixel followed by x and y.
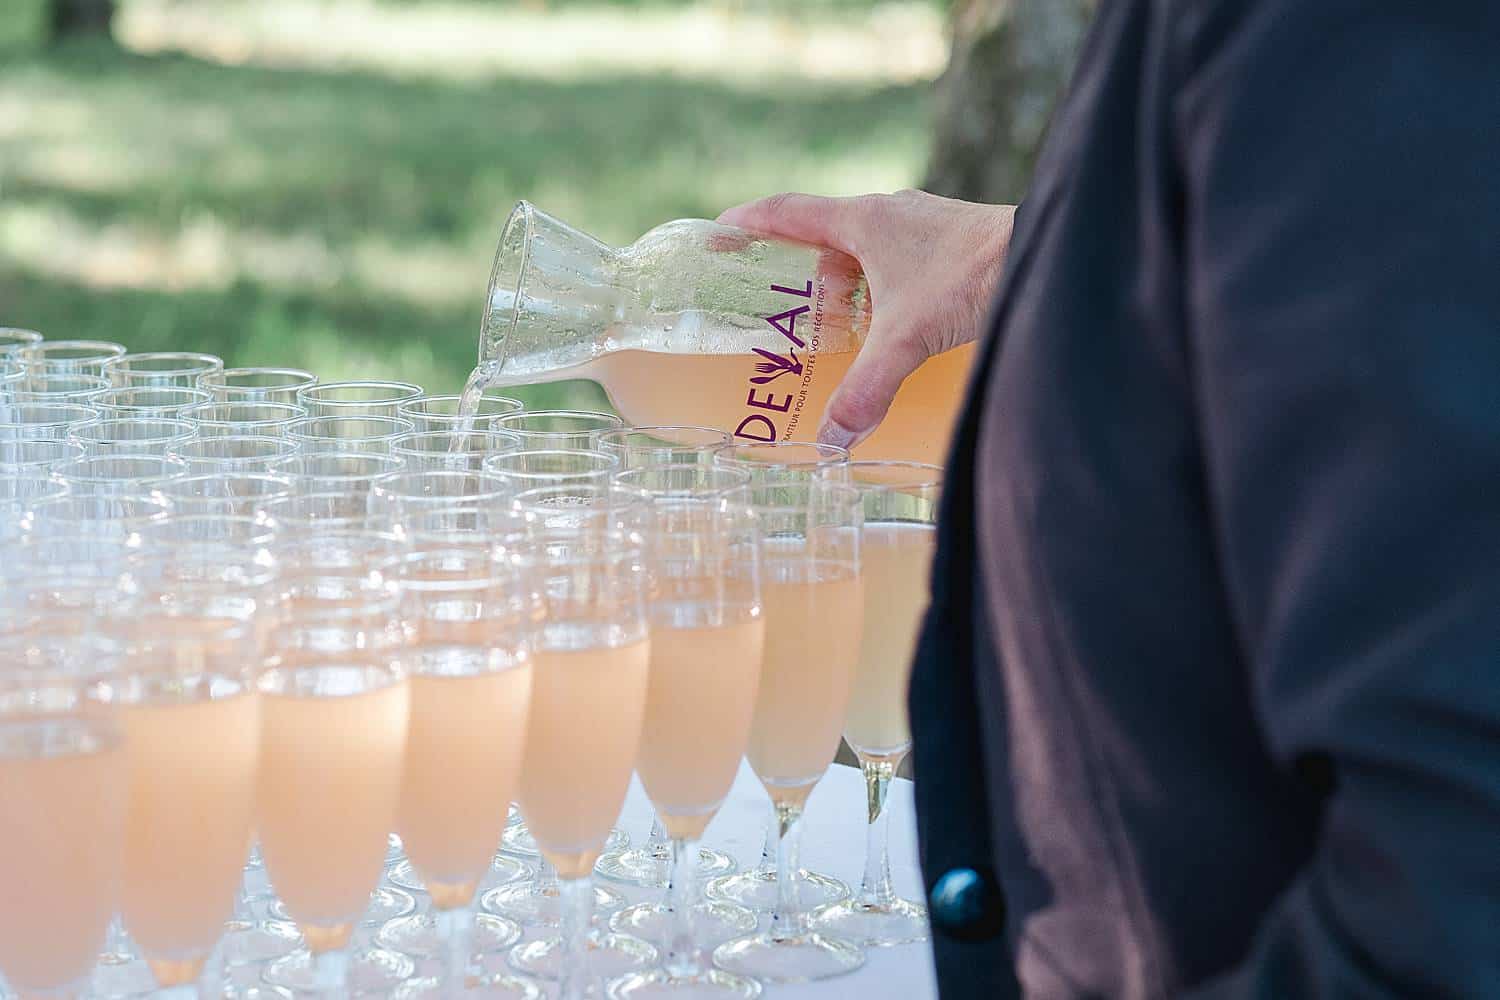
pixel 834 433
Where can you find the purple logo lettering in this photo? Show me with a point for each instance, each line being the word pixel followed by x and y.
pixel 771 366
pixel 775 366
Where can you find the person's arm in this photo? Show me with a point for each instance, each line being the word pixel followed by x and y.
pixel 1341 169
pixel 932 264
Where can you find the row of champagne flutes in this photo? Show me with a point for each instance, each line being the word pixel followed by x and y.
pixel 318 509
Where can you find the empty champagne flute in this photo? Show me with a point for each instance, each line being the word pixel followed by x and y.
pixel 14 341
pixel 456 450
pixel 371 435
pixel 160 368
pixel 57 387
pixel 554 468
pixel 70 356
pixel 900 502
pixel 368 398
pixel 36 458
pixel 575 430
pixel 440 413
pixel 785 461
pixel 116 517
pixel 234 453
pixel 256 385
pixel 438 507
pixel 469 613
pixel 227 494
pixel 258 417
pixel 119 475
pixel 667 444
pixel 813 601
pixel 132 435
pixel 166 402
pixel 589 679
pixel 349 473
pixel 707 633
pixel 41 421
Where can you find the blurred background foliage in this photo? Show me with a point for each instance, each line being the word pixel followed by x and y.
pixel 320 183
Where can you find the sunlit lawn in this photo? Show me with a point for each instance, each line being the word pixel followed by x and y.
pixel 342 220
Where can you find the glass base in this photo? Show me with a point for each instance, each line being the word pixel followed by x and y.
pixel 122 975
pixel 517 839
pixel 503 870
pixel 756 890
pixel 532 907
pixel 714 984
pixel 251 942
pixel 801 959
pixel 873 925
pixel 646 866
pixel 419 937
pixel 370 971
pixel 610 955
pixel 713 923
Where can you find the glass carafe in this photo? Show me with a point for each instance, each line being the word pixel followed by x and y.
pixel 699 323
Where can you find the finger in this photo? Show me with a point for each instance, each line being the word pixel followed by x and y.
pixel 864 396
pixel 829 222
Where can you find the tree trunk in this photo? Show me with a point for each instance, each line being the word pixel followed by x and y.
pixel 81 17
pixel 1011 60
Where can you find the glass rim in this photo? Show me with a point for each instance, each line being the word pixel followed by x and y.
pixel 16 338
pixel 9 447
pixel 402 392
pixel 843 494
pixel 8 406
pixel 110 400
pixel 562 453
pixel 720 438
pixel 300 427
pixel 179 425
pixel 480 432
pixel 223 376
pixel 384 484
pixel 85 385
pixel 738 479
pixel 163 462
pixel 176 489
pixel 286 447
pixel 297 412
pixel 124 361
pixel 835 455
pixel 104 349
pixel 392 463
pixel 516 405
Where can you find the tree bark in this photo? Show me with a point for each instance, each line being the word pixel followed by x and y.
pixel 1010 62
pixel 81 17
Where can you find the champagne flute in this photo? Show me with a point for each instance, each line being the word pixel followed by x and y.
pixel 369 434
pixel 255 385
pixel 160 368
pixel 132 435
pixel 588 700
pixel 900 502
pixel 347 473
pixel 441 413
pixel 261 418
pixel 150 401
pixel 234 453
pixel 14 341
pixel 707 633
pixel 119 475
pixel 469 611
pixel 226 493
pixel 443 507
pixel 813 607
pixel 648 864
pixel 63 779
pixel 568 430
pixel 769 463
pixel 462 451
pixel 41 421
pixel 530 468
pixel 356 399
pixel 86 357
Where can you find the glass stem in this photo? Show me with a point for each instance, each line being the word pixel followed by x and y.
pixel 767 866
pixel 456 929
pixel 787 920
pixel 683 959
pixel 657 845
pixel 574 978
pixel 875 888
pixel 330 974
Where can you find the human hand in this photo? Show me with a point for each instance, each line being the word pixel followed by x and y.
pixel 932 264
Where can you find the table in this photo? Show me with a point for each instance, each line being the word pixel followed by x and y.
pixel 833 842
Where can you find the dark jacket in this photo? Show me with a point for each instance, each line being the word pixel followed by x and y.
pixel 1208 700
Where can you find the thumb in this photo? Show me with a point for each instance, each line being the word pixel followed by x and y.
pixel 829 222
pixel 861 400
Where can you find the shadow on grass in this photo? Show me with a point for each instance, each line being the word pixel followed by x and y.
pixel 344 153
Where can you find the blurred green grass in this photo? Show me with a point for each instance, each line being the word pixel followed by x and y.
pixel 343 221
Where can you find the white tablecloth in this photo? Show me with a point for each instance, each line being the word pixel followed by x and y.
pixel 833 842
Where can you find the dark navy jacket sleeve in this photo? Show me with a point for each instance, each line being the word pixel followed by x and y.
pixel 1341 163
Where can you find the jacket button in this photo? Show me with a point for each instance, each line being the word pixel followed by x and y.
pixel 966 904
